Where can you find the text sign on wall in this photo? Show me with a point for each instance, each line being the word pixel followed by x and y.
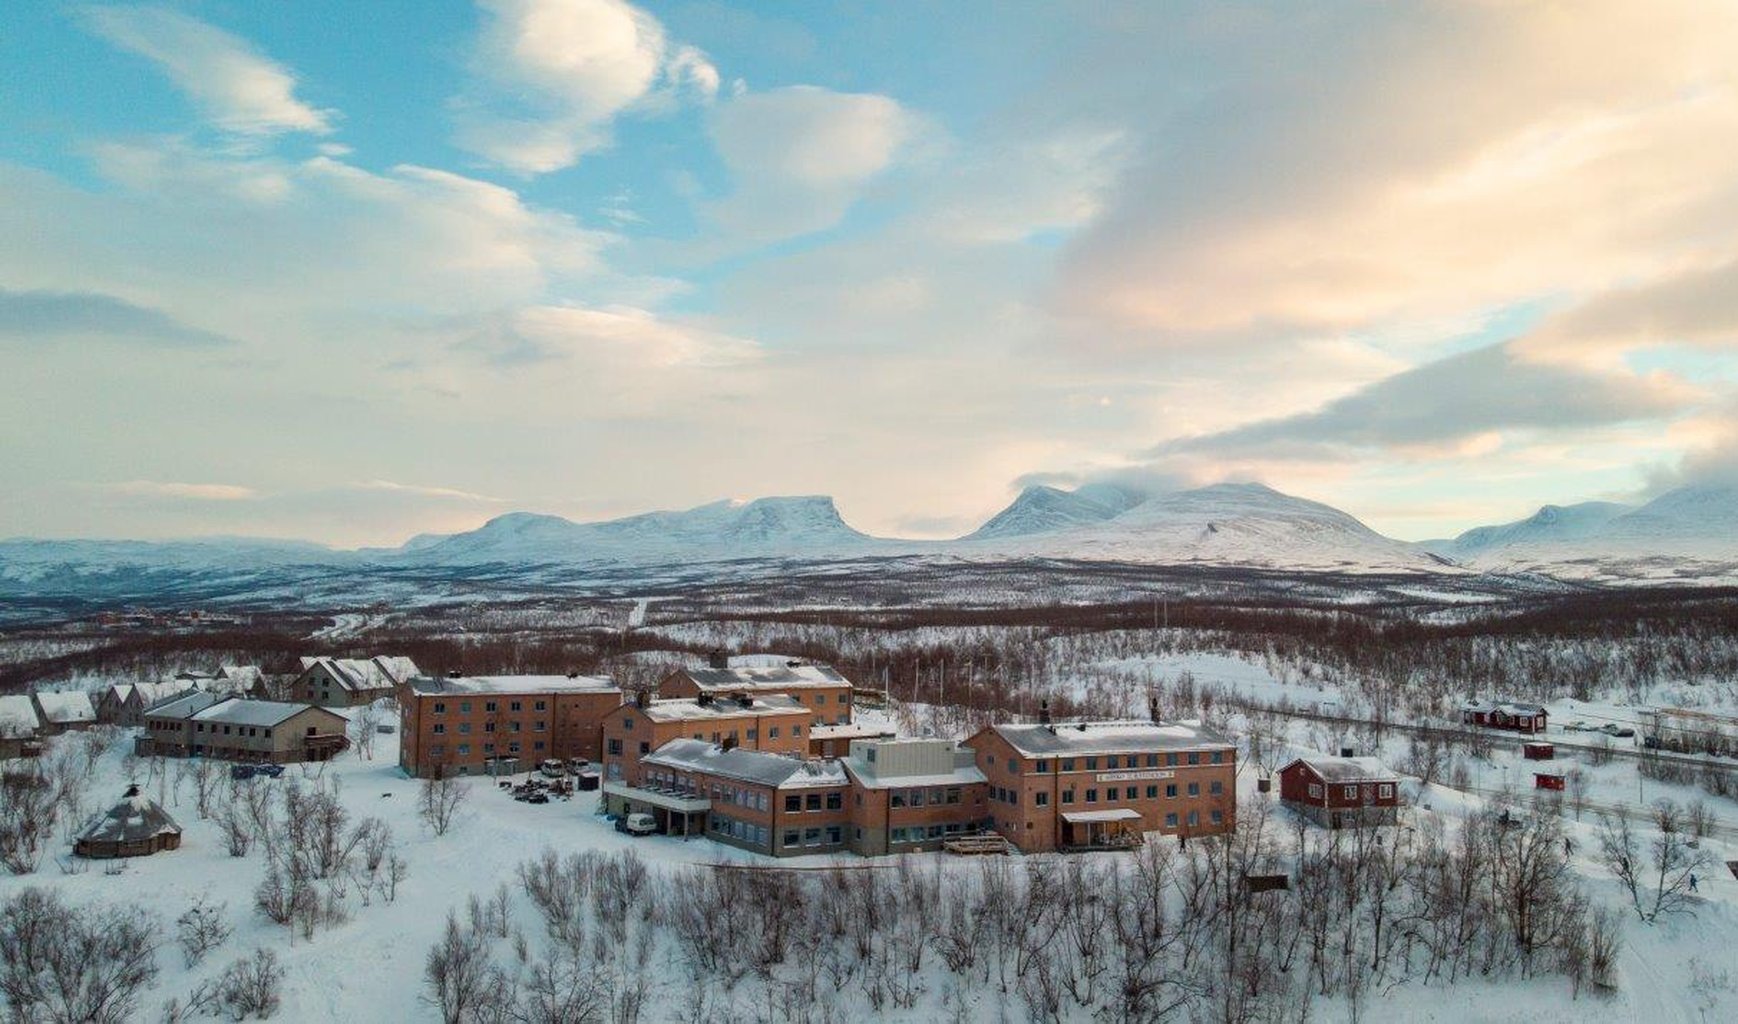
pixel 1135 776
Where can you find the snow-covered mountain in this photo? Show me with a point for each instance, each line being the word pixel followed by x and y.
pixel 1552 524
pixel 1043 509
pixel 1229 524
pixel 797 527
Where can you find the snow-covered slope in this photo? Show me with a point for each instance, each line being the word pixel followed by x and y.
pixel 1229 524
pixel 1043 509
pixel 800 527
pixel 1552 524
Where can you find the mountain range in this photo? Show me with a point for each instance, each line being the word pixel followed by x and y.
pixel 1685 533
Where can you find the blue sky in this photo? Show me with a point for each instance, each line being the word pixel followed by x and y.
pixel 356 271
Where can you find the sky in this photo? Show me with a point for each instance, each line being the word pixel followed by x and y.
pixel 352 272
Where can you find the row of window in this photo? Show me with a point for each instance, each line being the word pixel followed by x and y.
pixel 919 797
pixel 1385 790
pixel 794 802
pixel 832 835
pixel 490 706
pixel 439 750
pixel 464 729
pixel 1005 795
pixel 772 731
pixel 1115 761
pixel 735 828
pixel 238 730
pixel 923 833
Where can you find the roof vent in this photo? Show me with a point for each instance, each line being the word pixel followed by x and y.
pixel 455 674
pixel 745 700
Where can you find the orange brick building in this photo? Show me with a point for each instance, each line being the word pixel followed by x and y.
pixel 821 689
pixel 1086 785
pixel 464 725
pixel 909 795
pixel 773 723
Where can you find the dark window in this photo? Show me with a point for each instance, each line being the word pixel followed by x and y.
pixel 440 708
pixel 615 747
pixel 1068 796
pixel 1068 764
pixel 1042 799
pixel 491 706
pixel 812 802
pixel 1129 793
pixel 1111 761
pixel 645 748
pixel 1092 796
pixel 793 803
pixel 1152 792
pixel 1091 764
pixel 835 801
pixel 1043 766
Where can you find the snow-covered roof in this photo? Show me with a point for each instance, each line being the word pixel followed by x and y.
pixel 850 731
pixel 781 771
pixel 381 672
pixel 678 709
pixel 798 675
pixel 962 775
pixel 121 691
pixel 136 818
pixel 184 705
pixel 1346 769
pixel 152 694
pixel 243 676
pixel 1510 707
pixel 252 712
pixel 66 706
pixel 18 716
pixel 1137 736
pixel 436 685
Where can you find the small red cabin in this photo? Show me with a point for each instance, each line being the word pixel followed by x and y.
pixel 1538 751
pixel 1504 714
pixel 1337 792
pixel 1547 780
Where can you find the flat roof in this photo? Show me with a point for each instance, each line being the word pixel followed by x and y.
pixel 773 677
pixel 436 686
pixel 254 712
pixel 677 709
pixel 1134 736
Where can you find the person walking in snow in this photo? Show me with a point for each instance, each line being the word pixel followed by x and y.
pixel 1692 883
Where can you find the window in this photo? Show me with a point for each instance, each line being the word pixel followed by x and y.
pixel 1092 796
pixel 1194 818
pixel 1194 757
pixel 516 706
pixel 796 730
pixel 464 707
pixel 792 837
pixel 1041 799
pixel 1091 764
pixel 772 734
pixel 1152 792
pixel 1171 791
pixel 464 750
pixel 440 727
pixel 1170 760
pixel 541 705
pixel 615 747
pixel 898 798
pixel 793 802
pixel 1152 760
pixel 868 754
pixel 1218 818
pixel 539 726
pixel 1218 756
pixel 464 728
pixel 645 748
pixel 627 721
pixel 1129 793
pixel 1194 789
pixel 1068 764
pixel 1111 762
pixel 812 802
pixel 753 734
pixel 835 834
pixel 1043 766
pixel 1316 790
pixel 917 798
pixel 952 796
pixel 539 745
pixel 440 708
pixel 1068 796
pixel 835 801
pixel 820 698
pixel 491 706
pixel 488 726
pixel 1350 792
pixel 1387 791
pixel 1171 820
pixel 1216 787
pixel 811 837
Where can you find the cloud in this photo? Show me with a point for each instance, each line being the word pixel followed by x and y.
pixel 37 316
pixel 621 337
pixel 183 491
pixel 1361 165
pixel 241 90
pixel 553 74
pixel 1451 402
pixel 1696 305
pixel 800 156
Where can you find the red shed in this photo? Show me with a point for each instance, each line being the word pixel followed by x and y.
pixel 1538 751
pixel 1547 780
pixel 1341 791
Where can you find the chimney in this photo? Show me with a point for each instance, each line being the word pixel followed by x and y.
pixel 704 699
pixel 718 659
pixel 455 674
pixel 1044 712
pixel 642 698
pixel 1153 707
pixel 729 742
pixel 745 700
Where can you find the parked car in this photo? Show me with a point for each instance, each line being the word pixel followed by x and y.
pixel 637 824
pixel 552 768
pixel 1579 725
pixel 268 769
pixel 241 771
pixel 1614 729
pixel 575 765
pixel 537 797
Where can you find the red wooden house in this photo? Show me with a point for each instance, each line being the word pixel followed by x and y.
pixel 1504 714
pixel 1337 792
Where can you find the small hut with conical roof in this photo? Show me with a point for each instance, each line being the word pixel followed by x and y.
pixel 135 827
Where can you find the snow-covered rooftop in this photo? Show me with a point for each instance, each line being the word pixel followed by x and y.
pixel 67 706
pixel 382 672
pixel 185 705
pixel 251 712
pixel 684 708
pixel 780 771
pixel 1347 769
pixel 851 731
pixel 798 675
pixel 18 716
pixel 1136 736
pixel 437 685
pixel 137 817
